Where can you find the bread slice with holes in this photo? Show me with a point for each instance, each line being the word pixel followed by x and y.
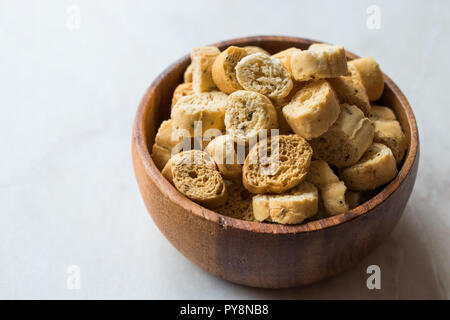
pixel 350 90
pixel 382 113
pixel 291 207
pixel 390 134
pixel 206 109
pixel 263 74
pixel 202 61
pixel 224 69
pixel 165 142
pixel 285 57
pixel 312 110
pixel 187 76
pixel 332 191
pixel 375 168
pixel 333 197
pixel 182 90
pixel 222 149
pixel 370 74
pixel 247 114
pixel 346 140
pixel 238 204
pixel 194 174
pixel 255 49
pixel 277 164
pixel 388 131
pixel 319 63
pixel 280 103
pixel 320 174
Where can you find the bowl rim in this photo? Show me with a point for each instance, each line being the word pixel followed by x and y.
pixel 175 196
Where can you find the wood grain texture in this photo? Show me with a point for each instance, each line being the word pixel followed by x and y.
pixel 258 254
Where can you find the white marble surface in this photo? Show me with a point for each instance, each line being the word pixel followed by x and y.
pixel 68 195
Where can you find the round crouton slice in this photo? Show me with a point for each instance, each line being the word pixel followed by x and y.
pixel 319 63
pixel 381 113
pixel 247 114
pixel 291 207
pixel 194 174
pixel 370 75
pixel 390 134
pixel 205 109
pixel 316 46
pixel 277 164
pixel 188 74
pixel 312 110
pixel 202 61
pixel 388 131
pixel 332 191
pixel 222 150
pixel 375 168
pixel 346 140
pixel 238 204
pixel 165 144
pixel 255 49
pixel 285 57
pixel 320 174
pixel 350 90
pixel 333 197
pixel 224 69
pixel 280 103
pixel 182 90
pixel 263 74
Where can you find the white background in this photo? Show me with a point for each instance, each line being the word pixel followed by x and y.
pixel 68 194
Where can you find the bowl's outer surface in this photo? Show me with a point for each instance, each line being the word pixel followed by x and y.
pixel 266 255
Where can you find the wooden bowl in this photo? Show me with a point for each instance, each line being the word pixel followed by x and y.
pixel 258 254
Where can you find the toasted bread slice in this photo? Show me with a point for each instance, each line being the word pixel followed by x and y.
pixel 320 174
pixel 390 134
pixel 255 49
pixel 285 57
pixel 224 69
pixel 320 62
pixel 370 75
pixel 346 140
pixel 182 90
pixel 280 103
pixel 187 76
pixel 194 174
pixel 291 207
pixel 206 109
pixel 277 164
pixel 312 110
pixel 238 204
pixel 388 131
pixel 264 74
pixel 333 197
pixel 202 62
pixel 247 113
pixel 382 113
pixel 222 150
pixel 332 191
pixel 350 90
pixel 165 142
pixel 375 168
